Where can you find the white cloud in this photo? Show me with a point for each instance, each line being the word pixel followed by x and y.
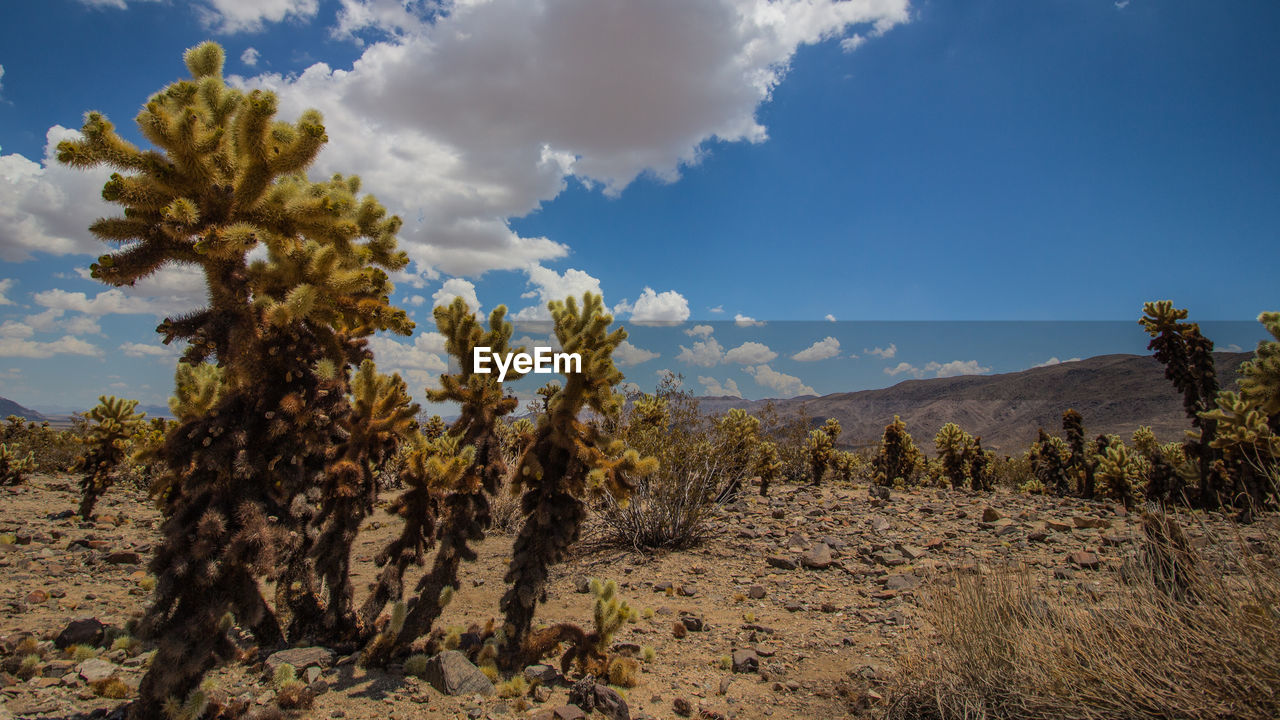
pixel 232 16
pixel 704 353
pixel 941 370
pixel 666 306
pixel 750 353
pixel 1 77
pixel 250 56
pixel 1054 361
pixel 48 208
pixel 744 321
pixel 15 329
pixel 716 310
pixel 107 302
pixel 6 285
pixel 887 352
pixel 830 317
pixel 456 288
pixel 160 352
pixel 627 354
pixel 702 331
pixel 605 92
pixel 65 345
pixel 1229 348
pixel 713 388
pixel 786 386
pixel 824 349
pixel 414 300
pixel 82 325
pixel 419 362
pixel 550 285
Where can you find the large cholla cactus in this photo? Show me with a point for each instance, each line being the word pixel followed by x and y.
pixel 1120 476
pixel 1078 462
pixel 464 508
pixel 952 445
pixel 113 422
pixel 898 461
pixel 1050 458
pixel 820 447
pixel 1260 376
pixel 14 467
pixel 737 442
pixel 1188 361
pixel 567 461
pixel 226 179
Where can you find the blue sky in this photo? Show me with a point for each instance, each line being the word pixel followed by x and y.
pixel 870 160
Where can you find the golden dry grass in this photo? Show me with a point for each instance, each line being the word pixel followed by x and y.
pixel 1177 634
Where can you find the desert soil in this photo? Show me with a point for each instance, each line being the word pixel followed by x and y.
pixel 822 586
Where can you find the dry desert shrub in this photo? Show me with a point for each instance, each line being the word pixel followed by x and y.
pixel 1182 633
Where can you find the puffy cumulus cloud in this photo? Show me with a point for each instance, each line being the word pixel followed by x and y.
pixel 702 331
pixel 48 207
pixel 250 56
pixel 550 285
pixel 456 288
pixel 419 361
pixel 82 325
pixel 830 317
pixel 704 353
pixel 65 345
pixel 824 349
pixel 786 386
pixel 714 388
pixel 657 307
pixel 954 368
pixel 414 300
pixel 5 286
pixel 716 310
pixel 1054 361
pixel 231 16
pixel 627 354
pixel 15 329
pixel 746 321
pixel 145 350
pixel 886 353
pixel 107 302
pixel 485 112
pixel 750 353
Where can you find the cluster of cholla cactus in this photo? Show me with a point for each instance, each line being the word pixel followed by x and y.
pixel 1187 356
pixel 1119 475
pixel 737 445
pixel 898 461
pixel 591 650
pixel 15 467
pixel 285 327
pixel 567 461
pixel 1162 465
pixel 962 458
pixel 768 464
pixel 1051 465
pixel 820 448
pixel 113 422
pixel 1078 460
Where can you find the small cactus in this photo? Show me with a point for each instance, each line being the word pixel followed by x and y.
pixel 14 467
pixel 898 460
pixel 114 421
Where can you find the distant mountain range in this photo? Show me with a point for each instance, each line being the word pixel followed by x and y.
pixel 1114 393
pixel 9 407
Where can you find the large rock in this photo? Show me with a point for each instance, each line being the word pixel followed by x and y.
pixel 301 658
pixel 818 557
pixel 783 563
pixel 96 669
pixel 85 631
pixel 745 661
pixel 452 673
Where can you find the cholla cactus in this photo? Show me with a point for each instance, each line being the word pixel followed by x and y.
pixel 114 421
pixel 1120 477
pixel 465 496
pixel 980 464
pixel 819 448
pixel 14 467
pixel 1250 450
pixel 1050 458
pixel 737 440
pixel 1260 376
pixel 1188 359
pixel 1078 461
pixel 846 465
pixel 567 461
pixel 898 461
pixel 226 179
pixel 589 649
pixel 768 465
pixel 952 445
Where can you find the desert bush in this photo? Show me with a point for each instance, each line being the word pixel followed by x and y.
pixel 898 460
pixel 1007 648
pixel 14 467
pixel 1011 472
pixel 737 440
pixel 668 507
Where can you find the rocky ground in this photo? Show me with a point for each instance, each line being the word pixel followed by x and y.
pixel 796 606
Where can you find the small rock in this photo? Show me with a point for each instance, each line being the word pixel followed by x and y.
pixel 990 515
pixel 300 658
pixel 95 669
pixel 582 586
pixel 692 623
pixel 681 707
pixel 755 592
pixel 745 661
pixel 543 674
pixel 818 557
pixel 1083 521
pixel 783 563
pixel 37 596
pixel 123 558
pixel 85 631
pixel 1063 573
pixel 901 582
pixel 1085 560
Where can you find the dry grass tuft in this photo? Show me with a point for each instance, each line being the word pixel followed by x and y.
pixel 1180 633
